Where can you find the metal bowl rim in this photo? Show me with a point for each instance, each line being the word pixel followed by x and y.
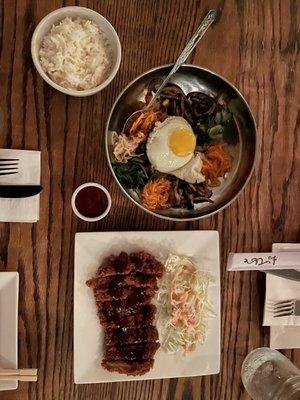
pixel 117 180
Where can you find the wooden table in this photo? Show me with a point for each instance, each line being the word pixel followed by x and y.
pixel 254 45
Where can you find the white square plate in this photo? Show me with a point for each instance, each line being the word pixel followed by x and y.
pixel 90 250
pixel 9 294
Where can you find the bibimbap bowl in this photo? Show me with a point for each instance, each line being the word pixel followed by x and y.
pixel 223 120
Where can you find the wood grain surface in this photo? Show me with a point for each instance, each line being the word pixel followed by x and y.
pixel 255 45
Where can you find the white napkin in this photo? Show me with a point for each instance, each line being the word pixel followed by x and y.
pixel 285 337
pixel 23 209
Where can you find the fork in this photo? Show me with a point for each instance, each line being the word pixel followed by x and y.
pixel 9 166
pixel 286 308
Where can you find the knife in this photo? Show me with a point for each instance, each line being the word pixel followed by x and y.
pixel 19 191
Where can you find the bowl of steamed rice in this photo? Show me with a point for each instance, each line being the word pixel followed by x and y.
pixel 76 50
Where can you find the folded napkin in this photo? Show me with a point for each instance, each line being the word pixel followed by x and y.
pixel 23 209
pixel 284 337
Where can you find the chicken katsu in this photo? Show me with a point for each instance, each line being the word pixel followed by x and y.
pixel 130 335
pixel 142 316
pixel 138 280
pixel 125 264
pixel 122 293
pixel 128 367
pixel 131 352
pixel 123 289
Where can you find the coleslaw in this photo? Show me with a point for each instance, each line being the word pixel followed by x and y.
pixel 183 305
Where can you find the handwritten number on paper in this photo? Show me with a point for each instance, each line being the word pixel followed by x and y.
pixel 259 261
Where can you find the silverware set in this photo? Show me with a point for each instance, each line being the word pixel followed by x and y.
pixel 10 166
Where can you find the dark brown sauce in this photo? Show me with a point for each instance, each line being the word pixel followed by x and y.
pixel 117 308
pixel 91 201
pixel 120 263
pixel 108 281
pixel 121 334
pixel 136 300
pixel 132 352
pixel 115 292
pixel 138 264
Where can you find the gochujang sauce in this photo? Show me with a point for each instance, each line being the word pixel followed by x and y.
pixel 91 201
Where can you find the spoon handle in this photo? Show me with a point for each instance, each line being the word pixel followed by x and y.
pixel 205 24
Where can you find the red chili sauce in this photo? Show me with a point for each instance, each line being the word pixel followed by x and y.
pixel 91 201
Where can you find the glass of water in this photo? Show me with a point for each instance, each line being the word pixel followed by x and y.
pixel 267 374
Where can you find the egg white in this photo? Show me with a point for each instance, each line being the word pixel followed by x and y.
pixel 158 149
pixel 191 172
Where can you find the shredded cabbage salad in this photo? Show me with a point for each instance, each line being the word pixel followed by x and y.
pixel 183 305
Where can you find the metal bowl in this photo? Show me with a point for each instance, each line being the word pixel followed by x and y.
pixel 240 136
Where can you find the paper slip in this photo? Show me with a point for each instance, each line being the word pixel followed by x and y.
pixel 263 261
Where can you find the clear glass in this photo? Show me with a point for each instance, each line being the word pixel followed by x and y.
pixel 268 374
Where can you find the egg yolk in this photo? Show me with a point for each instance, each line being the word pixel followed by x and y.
pixel 182 142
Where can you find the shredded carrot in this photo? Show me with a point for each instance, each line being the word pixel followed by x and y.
pixel 156 194
pixel 145 123
pixel 216 163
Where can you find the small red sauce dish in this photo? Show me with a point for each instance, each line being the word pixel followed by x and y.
pixel 91 202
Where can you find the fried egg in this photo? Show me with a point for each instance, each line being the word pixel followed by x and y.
pixel 171 145
pixel 191 172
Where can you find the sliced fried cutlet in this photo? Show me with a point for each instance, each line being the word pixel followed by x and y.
pixel 146 263
pixel 128 306
pixel 137 280
pixel 131 352
pixel 129 368
pixel 141 280
pixel 143 316
pixel 116 265
pixel 130 335
pixel 123 264
pixel 123 292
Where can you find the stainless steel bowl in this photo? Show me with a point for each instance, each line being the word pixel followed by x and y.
pixel 241 137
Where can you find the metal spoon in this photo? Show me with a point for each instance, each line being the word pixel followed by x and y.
pixel 203 27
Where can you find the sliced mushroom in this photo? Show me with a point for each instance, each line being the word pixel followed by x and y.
pixel 172 91
pixel 189 197
pixel 202 200
pixel 177 197
pixel 202 104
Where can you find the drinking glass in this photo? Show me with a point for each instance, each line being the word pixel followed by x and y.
pixel 267 374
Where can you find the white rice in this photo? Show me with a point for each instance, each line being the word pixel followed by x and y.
pixel 75 54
